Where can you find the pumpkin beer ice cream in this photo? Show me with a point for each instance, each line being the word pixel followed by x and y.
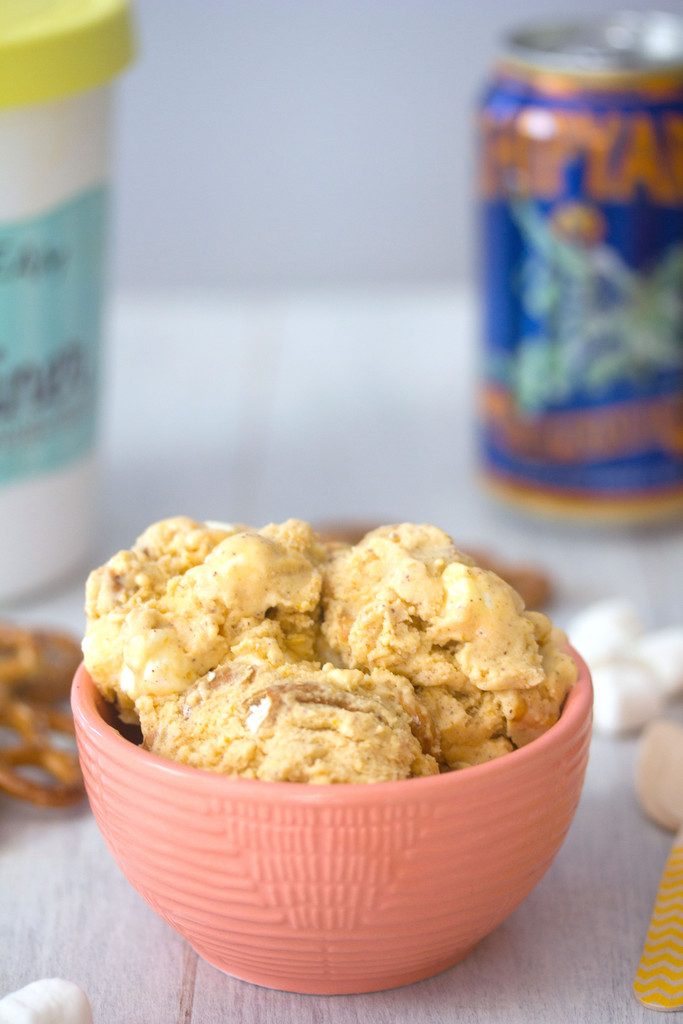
pixel 271 654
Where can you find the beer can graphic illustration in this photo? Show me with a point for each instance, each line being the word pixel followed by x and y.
pixel 581 405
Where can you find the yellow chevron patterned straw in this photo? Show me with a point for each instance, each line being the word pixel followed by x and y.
pixel 658 983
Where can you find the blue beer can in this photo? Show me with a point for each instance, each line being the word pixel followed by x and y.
pixel 581 176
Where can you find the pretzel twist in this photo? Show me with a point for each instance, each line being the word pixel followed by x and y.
pixel 36 669
pixel 57 781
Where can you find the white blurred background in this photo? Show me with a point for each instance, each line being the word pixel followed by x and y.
pixel 295 143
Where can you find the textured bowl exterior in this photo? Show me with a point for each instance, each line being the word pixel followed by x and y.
pixel 333 889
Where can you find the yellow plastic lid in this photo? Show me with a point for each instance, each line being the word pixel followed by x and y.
pixel 54 48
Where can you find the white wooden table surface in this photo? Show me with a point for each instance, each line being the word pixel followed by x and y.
pixel 330 406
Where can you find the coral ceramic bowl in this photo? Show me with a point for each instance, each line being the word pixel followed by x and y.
pixel 333 889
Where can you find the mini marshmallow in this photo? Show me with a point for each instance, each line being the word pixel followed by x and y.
pixel 216 524
pixel 49 1001
pixel 627 695
pixel 663 651
pixel 604 630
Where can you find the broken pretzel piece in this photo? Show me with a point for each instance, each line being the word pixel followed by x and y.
pixel 57 656
pixel 18 654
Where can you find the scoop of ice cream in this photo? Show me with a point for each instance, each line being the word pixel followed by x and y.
pixel 131 580
pixel 405 599
pixel 294 723
pixel 163 614
pixel 491 675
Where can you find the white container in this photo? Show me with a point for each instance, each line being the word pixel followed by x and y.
pixel 55 66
